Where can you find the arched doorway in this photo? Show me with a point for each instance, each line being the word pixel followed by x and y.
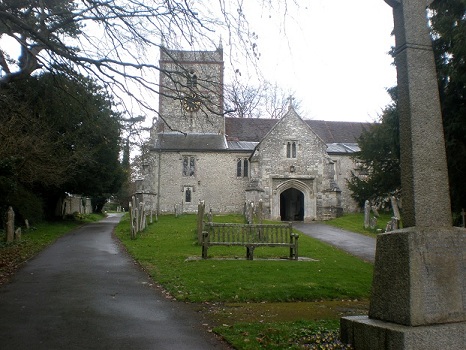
pixel 292 205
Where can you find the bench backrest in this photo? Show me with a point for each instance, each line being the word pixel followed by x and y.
pixel 249 233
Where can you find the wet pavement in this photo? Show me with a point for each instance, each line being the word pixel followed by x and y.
pixel 353 243
pixel 84 292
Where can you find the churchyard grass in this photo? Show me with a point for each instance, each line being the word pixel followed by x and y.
pixel 168 250
pixel 354 222
pixel 322 334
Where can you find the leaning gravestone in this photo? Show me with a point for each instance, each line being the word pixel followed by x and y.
pixel 419 290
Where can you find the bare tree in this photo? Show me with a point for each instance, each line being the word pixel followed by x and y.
pixel 266 100
pixel 116 41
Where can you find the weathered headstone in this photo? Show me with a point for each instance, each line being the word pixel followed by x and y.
pixel 260 212
pixel 373 222
pixel 10 225
pixel 396 211
pixel 367 214
pixel 18 234
pixel 200 220
pixel 419 291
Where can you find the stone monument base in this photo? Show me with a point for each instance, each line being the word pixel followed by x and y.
pixel 365 333
pixel 418 293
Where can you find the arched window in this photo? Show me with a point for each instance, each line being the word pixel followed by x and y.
pixel 191 80
pixel 291 149
pixel 242 167
pixel 189 166
pixel 187 194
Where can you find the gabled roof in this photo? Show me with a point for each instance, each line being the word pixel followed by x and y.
pixel 244 134
pixel 254 129
pixel 291 114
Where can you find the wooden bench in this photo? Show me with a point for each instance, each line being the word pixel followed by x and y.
pixel 250 236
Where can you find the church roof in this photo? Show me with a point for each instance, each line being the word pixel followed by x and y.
pixel 243 134
pixel 342 148
pixel 175 141
pixel 242 145
pixel 254 129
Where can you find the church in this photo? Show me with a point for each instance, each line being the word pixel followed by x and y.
pixel 297 168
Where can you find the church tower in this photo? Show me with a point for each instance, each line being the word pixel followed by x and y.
pixel 191 91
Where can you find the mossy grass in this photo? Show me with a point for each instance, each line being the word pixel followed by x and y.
pixel 316 335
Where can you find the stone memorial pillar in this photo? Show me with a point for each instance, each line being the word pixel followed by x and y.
pixel 419 290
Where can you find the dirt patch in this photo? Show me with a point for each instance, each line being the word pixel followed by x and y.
pixel 231 313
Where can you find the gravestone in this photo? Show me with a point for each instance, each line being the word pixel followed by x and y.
pixel 367 214
pixel 10 225
pixel 419 291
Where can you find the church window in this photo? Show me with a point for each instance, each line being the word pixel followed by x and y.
pixel 189 166
pixel 291 149
pixel 246 167
pixel 242 167
pixel 192 80
pixel 188 194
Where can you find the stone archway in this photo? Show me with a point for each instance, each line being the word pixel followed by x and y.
pixel 294 199
pixel 292 205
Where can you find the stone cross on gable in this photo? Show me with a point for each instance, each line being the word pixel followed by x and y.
pixel 290 101
pixel 426 198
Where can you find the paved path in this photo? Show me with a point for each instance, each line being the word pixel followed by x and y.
pixel 354 243
pixel 83 292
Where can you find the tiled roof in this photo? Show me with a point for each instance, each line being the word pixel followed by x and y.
pixel 254 129
pixel 242 145
pixel 244 134
pixel 342 148
pixel 174 141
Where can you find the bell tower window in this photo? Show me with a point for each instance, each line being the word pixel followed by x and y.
pixel 189 166
pixel 191 80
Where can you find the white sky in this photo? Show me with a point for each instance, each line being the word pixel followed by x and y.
pixel 334 55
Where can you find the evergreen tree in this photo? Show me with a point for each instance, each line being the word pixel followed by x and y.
pixel 377 176
pixel 449 34
pixel 57 135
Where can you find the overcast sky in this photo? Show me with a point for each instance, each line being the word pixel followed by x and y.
pixel 334 55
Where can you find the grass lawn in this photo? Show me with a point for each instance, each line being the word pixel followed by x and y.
pixel 169 252
pixel 354 222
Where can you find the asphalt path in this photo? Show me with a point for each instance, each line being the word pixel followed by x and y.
pixel 85 292
pixel 353 243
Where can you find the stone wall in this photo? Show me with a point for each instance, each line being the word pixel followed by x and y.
pixel 214 182
pixel 76 204
pixel 273 168
pixel 208 68
pixel 343 167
